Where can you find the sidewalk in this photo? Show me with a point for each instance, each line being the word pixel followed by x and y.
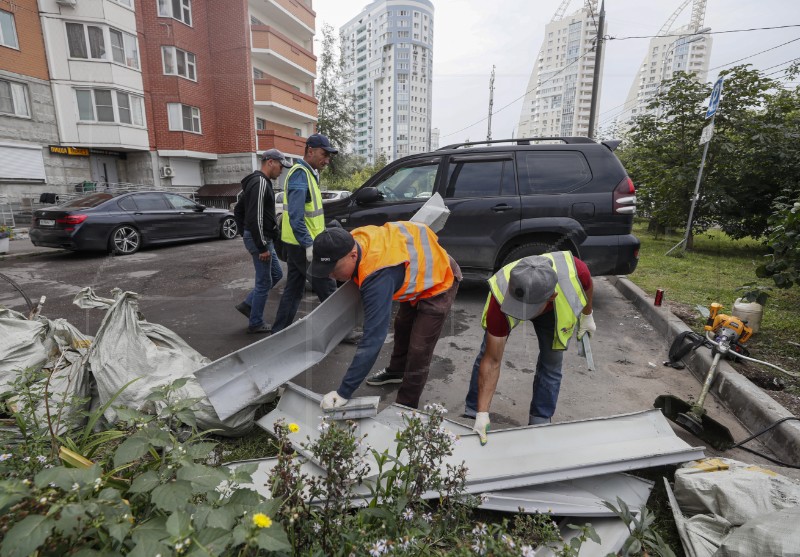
pixel 23 247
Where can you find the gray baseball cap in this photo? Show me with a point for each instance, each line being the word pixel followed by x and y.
pixel 274 154
pixel 533 280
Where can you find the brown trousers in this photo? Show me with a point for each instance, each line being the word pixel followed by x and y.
pixel 416 332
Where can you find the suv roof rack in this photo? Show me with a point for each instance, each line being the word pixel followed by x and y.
pixel 520 141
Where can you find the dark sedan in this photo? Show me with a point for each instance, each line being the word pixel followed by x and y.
pixel 121 223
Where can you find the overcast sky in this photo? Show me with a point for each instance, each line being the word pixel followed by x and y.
pixel 472 35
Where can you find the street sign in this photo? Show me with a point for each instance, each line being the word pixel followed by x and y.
pixel 713 104
pixel 707 134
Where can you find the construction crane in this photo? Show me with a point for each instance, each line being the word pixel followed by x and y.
pixel 562 9
pixel 491 104
pixel 698 16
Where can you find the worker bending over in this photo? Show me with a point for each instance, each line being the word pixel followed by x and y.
pixel 554 292
pixel 400 261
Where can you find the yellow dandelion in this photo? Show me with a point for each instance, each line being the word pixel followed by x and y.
pixel 262 521
pixel 293 428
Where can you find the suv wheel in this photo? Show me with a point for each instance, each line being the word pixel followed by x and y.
pixel 532 248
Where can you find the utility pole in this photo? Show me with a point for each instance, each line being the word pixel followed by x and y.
pixel 491 104
pixel 601 20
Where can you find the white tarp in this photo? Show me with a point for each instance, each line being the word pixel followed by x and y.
pixel 21 345
pixel 128 347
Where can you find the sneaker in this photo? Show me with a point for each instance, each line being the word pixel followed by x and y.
pixel 259 330
pixel 244 309
pixel 384 377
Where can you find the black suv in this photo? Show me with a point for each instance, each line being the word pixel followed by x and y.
pixel 526 197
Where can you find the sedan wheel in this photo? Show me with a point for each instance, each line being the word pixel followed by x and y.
pixel 229 229
pixel 125 240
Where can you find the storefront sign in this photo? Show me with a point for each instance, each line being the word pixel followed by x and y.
pixel 70 151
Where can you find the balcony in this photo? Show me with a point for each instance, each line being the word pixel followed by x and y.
pixel 294 15
pixel 284 142
pixel 280 50
pixel 273 95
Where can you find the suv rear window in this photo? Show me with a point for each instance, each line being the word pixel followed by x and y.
pixel 476 178
pixel 551 171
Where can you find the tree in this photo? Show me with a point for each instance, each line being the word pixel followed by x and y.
pixel 784 239
pixel 335 110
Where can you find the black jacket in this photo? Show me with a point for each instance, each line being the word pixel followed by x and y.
pixel 255 210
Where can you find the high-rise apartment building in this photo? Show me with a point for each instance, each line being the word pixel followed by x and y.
pixel 388 63
pixel 685 49
pixel 558 98
pixel 153 92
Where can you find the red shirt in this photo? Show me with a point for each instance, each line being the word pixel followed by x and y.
pixel 496 322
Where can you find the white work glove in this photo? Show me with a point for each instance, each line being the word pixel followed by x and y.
pixel 309 253
pixel 586 326
pixel 332 400
pixel 482 426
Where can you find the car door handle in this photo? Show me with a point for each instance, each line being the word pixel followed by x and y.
pixel 501 207
pixel 138 213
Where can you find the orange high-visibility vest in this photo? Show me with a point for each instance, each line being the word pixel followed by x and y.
pixel 428 271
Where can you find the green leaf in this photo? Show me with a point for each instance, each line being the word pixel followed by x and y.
pixel 149 548
pixel 11 493
pixel 179 524
pixel 243 500
pixel 64 478
pixel 153 530
pixel 133 448
pixel 187 417
pixel 202 478
pixel 221 518
pixel 172 496
pixel 145 482
pixel 26 536
pixel 216 540
pixel 179 383
pixel 119 530
pixel 273 539
pixel 202 450
pixel 70 519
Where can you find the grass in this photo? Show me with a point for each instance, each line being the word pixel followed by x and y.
pixel 711 272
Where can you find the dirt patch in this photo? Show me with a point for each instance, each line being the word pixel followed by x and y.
pixel 782 388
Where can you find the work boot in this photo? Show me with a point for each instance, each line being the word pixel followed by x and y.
pixel 259 330
pixel 244 309
pixel 384 377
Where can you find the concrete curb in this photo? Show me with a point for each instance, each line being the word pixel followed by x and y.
pixel 751 406
pixel 24 254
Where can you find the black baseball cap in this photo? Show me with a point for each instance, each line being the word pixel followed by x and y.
pixel 329 247
pixel 274 154
pixel 321 141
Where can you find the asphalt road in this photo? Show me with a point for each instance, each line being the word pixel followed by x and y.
pixel 192 289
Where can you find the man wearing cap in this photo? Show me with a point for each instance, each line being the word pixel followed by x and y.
pixel 303 219
pixel 554 292
pixel 400 261
pixel 255 219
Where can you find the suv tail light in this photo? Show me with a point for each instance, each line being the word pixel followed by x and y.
pixel 625 197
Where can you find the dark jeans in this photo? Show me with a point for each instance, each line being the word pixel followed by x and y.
pixel 416 332
pixel 546 382
pixel 295 286
pixel 268 274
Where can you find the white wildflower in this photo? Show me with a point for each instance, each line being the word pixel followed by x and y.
pixel 379 548
pixel 5 456
pixel 75 486
pixel 479 547
pixel 408 514
pixel 527 551
pixel 427 517
pixel 316 527
pixel 26 459
pixel 508 540
pixel 26 481
pixel 479 529
pixel 41 459
pixel 43 500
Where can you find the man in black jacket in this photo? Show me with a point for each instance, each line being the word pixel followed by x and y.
pixel 255 218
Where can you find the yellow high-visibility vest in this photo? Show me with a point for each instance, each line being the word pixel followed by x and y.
pixel 568 304
pixel 313 213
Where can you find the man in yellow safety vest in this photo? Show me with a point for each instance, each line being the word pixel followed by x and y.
pixel 553 291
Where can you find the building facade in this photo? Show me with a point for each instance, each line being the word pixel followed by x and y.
pixel 387 51
pixel 559 93
pixel 159 93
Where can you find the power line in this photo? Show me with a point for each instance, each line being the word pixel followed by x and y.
pixel 756 54
pixel 610 38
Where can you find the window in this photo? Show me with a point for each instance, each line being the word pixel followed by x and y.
pixel 8 31
pixel 176 9
pixel 480 178
pixel 183 118
pixel 410 183
pixel 261 124
pixel 179 62
pixel 126 3
pixel 89 42
pixel 552 172
pixel 127 204
pixel 180 202
pixel 151 202
pixel 14 99
pixel 258 74
pixel 108 105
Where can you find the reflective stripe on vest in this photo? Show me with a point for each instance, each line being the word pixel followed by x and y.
pixel 568 304
pixel 313 213
pixel 413 287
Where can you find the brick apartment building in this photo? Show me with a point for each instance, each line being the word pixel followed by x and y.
pixel 154 92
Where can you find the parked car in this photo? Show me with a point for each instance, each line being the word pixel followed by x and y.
pixel 123 222
pixel 329 196
pixel 511 199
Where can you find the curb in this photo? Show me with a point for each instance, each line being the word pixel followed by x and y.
pixel 751 406
pixel 24 254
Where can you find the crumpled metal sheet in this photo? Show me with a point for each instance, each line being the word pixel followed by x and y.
pixel 247 376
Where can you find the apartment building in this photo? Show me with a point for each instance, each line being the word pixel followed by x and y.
pixel 388 65
pixel 161 92
pixel 558 98
pixel 27 113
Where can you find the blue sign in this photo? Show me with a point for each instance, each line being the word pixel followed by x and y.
pixel 713 104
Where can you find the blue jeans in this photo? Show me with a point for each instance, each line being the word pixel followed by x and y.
pixel 295 286
pixel 546 382
pixel 268 274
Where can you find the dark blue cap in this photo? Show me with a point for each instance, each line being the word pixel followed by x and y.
pixel 321 141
